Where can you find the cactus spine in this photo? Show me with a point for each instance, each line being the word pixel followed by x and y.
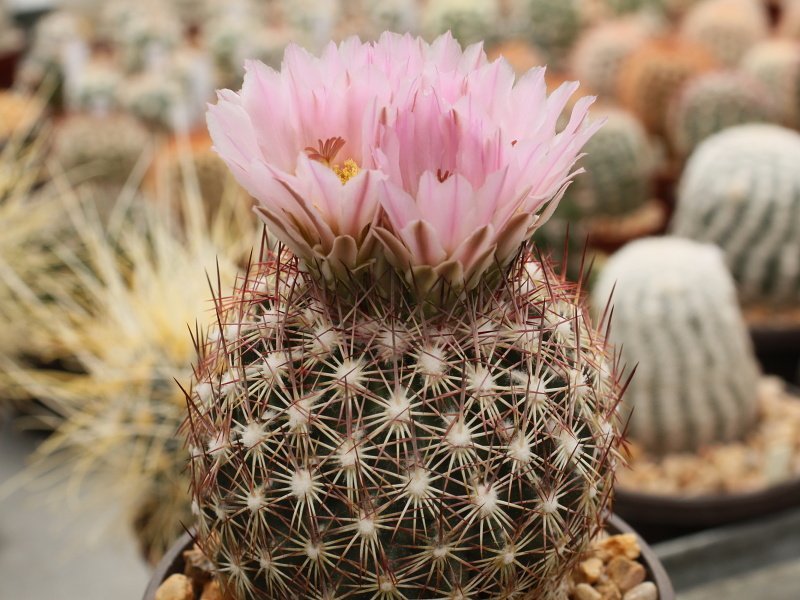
pixel 554 25
pixel 676 317
pixel 741 191
pixel 713 102
pixel 432 456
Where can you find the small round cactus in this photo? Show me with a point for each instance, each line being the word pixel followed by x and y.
pixel 654 73
pixel 621 7
pixel 741 191
pixel 469 22
pixel 554 25
pixel 599 54
pixel 392 15
pixel 400 455
pixel 713 102
pixel 103 149
pixel 618 163
pixel 727 28
pixel 677 319
pixel 776 64
pixel 147 36
pixel 94 89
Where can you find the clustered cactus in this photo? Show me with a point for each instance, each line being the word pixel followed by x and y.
pixel 776 65
pixel 554 25
pixel 713 102
pixel 676 317
pixel 399 418
pixel 741 191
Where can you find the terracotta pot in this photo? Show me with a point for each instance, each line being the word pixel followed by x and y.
pixel 661 517
pixel 173 562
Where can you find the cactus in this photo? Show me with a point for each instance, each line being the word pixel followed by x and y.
pixel 676 317
pixel 102 149
pixel 554 25
pixel 392 15
pixel 621 7
pixel 414 453
pixel 469 22
pixel 713 102
pixel 94 90
pixel 727 28
pixel 11 37
pixel 741 191
pixel 146 36
pixel 776 64
pixel 600 53
pixel 618 166
pixel 654 73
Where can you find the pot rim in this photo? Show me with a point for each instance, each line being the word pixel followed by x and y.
pixel 172 562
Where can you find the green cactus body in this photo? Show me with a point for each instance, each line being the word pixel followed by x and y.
pixel 102 149
pixel 618 166
pixel 714 102
pixel 554 25
pixel 469 22
pixel 377 453
pixel 776 64
pixel 147 36
pixel 599 54
pixel 621 7
pixel 677 319
pixel 741 191
pixel 727 28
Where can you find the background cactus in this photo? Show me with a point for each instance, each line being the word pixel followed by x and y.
pixel 431 455
pixel 654 73
pixel 741 191
pixel 619 164
pixel 713 102
pixel 553 26
pixel 727 28
pixel 677 318
pixel 101 149
pixel 776 64
pixel 469 21
pixel 598 55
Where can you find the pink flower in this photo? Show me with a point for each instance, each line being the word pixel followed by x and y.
pixel 430 149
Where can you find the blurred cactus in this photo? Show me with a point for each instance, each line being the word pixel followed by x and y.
pixel 713 102
pixel 11 38
pixel 471 21
pixel 776 64
pixel 94 90
pixel 727 28
pixel 101 149
pixel 392 15
pixel 435 456
pixel 147 35
pixel 741 191
pixel 600 53
pixel 554 25
pixel 654 73
pixel 677 319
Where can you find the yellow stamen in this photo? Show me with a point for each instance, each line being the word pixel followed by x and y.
pixel 346 171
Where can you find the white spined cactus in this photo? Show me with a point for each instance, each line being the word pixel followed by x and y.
pixel 741 191
pixel 469 21
pixel 676 318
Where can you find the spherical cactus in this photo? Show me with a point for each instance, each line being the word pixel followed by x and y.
pixel 741 191
pixel 392 15
pixel 469 22
pixel 713 102
pixel 618 166
pixel 676 317
pixel 104 149
pixel 554 25
pixel 147 36
pixel 399 455
pixel 776 64
pixel 727 28
pixel 599 54
pixel 621 7
pixel 654 73
pixel 425 415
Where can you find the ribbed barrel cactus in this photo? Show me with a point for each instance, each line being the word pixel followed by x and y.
pixel 554 25
pixel 676 317
pixel 717 101
pixel 469 21
pixel 403 403
pixel 741 191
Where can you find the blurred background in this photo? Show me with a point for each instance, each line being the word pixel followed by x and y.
pixel 114 208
